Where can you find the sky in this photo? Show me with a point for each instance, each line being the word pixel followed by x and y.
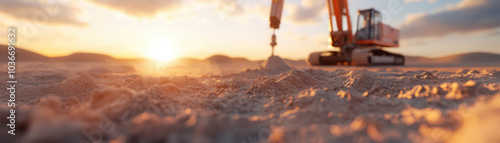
pixel 238 28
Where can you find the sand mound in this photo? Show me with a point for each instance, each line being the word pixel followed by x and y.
pixel 80 87
pixel 275 63
pixel 274 103
pixel 285 83
pixel 360 79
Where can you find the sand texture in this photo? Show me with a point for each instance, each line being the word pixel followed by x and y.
pixel 273 102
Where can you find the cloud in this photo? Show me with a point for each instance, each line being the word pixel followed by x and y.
pixel 494 33
pixel 466 17
pixel 226 7
pixel 150 8
pixel 41 11
pixel 415 1
pixel 141 8
pixel 310 11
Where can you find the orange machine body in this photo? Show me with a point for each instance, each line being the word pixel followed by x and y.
pixel 361 46
pixel 389 37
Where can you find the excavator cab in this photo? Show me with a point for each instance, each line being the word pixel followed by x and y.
pixel 372 32
pixel 368 21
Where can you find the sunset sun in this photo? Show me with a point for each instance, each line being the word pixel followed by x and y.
pixel 162 51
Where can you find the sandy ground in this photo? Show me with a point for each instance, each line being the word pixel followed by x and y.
pixel 245 103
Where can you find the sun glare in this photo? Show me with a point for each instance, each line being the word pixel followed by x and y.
pixel 162 51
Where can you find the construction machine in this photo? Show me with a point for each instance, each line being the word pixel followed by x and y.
pixel 365 47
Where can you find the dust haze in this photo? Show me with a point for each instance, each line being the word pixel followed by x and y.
pixel 224 99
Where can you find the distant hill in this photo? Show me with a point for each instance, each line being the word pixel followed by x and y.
pixel 471 58
pixel 188 60
pixel 22 55
pixel 220 59
pixel 476 58
pixel 85 57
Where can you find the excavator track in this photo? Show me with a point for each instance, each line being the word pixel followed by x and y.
pixel 359 57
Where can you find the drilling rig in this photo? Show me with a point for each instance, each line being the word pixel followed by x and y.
pixel 364 47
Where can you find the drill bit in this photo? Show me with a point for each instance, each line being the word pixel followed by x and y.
pixel 273 42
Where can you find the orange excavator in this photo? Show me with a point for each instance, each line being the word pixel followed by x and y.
pixel 362 48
